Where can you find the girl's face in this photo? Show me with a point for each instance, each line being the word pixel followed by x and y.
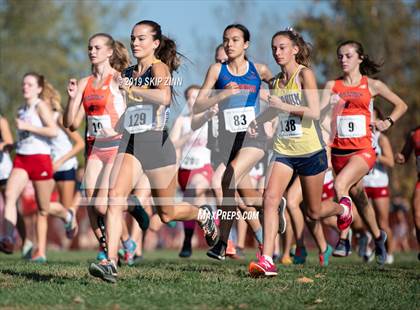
pixel 348 58
pixel 30 87
pixel 98 51
pixel 283 49
pixel 234 43
pixel 221 56
pixel 142 43
pixel 191 97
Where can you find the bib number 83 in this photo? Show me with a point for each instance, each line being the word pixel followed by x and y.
pixel 239 120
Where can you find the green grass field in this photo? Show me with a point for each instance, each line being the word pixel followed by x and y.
pixel 163 280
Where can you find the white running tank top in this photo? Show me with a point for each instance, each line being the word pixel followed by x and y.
pixel 30 143
pixel 61 145
pixel 377 176
pixel 195 153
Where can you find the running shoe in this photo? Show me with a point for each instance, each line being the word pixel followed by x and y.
pixel 300 256
pixel 218 251
pixel 364 250
pixel 129 252
pixel 380 248
pixel 389 259
pixel 324 258
pixel 345 219
pixel 286 261
pixel 27 250
pixel 105 270
pixel 282 216
pixel 208 225
pixel 262 268
pixel 6 245
pixel 186 250
pixel 137 259
pixel 139 213
pixel 71 227
pixel 36 258
pixel 342 249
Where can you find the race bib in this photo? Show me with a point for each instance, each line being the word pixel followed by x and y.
pixel 97 123
pixel 238 119
pixel 196 158
pixel 290 126
pixel 351 126
pixel 138 118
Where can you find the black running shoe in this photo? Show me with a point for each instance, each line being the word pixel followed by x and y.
pixel 106 270
pixel 218 251
pixel 139 214
pixel 186 250
pixel 380 249
pixel 208 225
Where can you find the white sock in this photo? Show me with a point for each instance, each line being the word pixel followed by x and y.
pixel 269 258
pixel 69 217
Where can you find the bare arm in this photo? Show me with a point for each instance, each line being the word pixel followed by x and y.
pixel 49 128
pixel 387 156
pixel 6 134
pixel 161 95
pixel 379 88
pixel 408 147
pixel 204 101
pixel 74 112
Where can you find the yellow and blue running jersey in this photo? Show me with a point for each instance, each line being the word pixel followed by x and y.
pixel 296 136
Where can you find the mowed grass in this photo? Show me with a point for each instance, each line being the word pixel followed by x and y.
pixel 163 280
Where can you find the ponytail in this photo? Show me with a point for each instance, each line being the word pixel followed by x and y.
pixel 303 57
pixel 367 66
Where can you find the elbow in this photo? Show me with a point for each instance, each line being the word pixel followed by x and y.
pixel 391 163
pixel 72 127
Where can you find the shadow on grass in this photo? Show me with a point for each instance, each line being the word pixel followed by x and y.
pixel 33 276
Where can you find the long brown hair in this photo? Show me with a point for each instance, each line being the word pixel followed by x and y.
pixel 51 94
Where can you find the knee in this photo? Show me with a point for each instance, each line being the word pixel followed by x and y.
pixel 43 211
pixel 167 215
pixel 271 200
pixel 313 215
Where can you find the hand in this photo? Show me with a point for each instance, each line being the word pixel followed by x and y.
pixel 400 158
pixel 231 89
pixel 335 98
pixel 212 111
pixel 72 88
pixel 276 102
pixel 57 165
pixel 382 125
pixel 21 125
pixel 252 129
